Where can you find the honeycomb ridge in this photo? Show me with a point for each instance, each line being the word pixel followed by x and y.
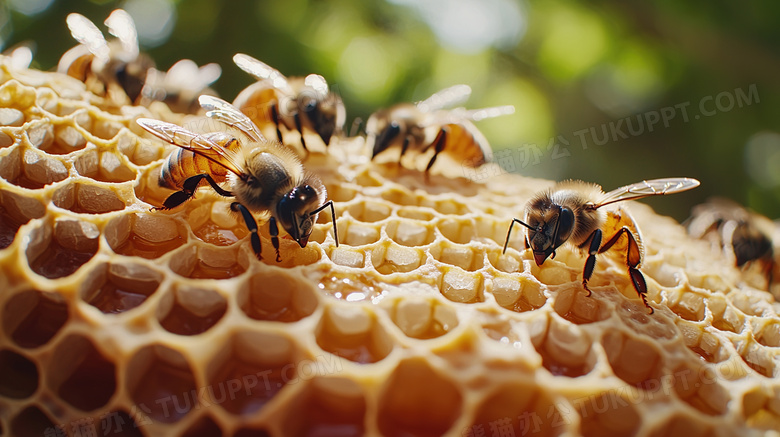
pixel 123 320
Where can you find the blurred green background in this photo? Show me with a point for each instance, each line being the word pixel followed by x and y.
pixel 611 92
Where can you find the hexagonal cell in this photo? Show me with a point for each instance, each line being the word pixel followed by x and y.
pixel 574 305
pixel 31 168
pixel 698 386
pixel 86 198
pixel 121 424
pixel 395 259
pixel 724 316
pixel 16 210
pixel 409 233
pixel 565 349
pixel 683 425
pixel 369 211
pixel 40 134
pixel 67 139
pixel 401 197
pixel 633 360
pixel 11 117
pixel 352 332
pixel 759 408
pixel 104 167
pixel 215 224
pixel 333 406
pixel 161 379
pixel 462 256
pixel 190 311
pixel 457 230
pixel 757 357
pixel 705 345
pixel 687 304
pixel 518 409
pixel 205 426
pixel 417 400
pixel 769 334
pixel 358 234
pixel 446 206
pixel 209 262
pixel 423 318
pixel 31 318
pixel 18 375
pixel 59 252
pixel 349 286
pixel 340 193
pixel 106 128
pixel 81 375
pixel 115 288
pixel 608 414
pixel 251 369
pixel 147 235
pixel 463 287
pixel 32 422
pixel 415 213
pixel 517 293
pixel 275 295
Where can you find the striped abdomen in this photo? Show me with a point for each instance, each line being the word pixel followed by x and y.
pixel 182 164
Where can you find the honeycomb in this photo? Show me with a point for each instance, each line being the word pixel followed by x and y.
pixel 116 320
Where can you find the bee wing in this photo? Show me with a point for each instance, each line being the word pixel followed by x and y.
pixel 317 82
pixel 262 71
pixel 223 111
pixel 459 114
pixel 193 142
pixel 121 25
pixel 654 187
pixel 445 98
pixel 21 55
pixel 86 33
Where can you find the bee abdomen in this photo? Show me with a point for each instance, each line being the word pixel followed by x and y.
pixel 465 144
pixel 182 164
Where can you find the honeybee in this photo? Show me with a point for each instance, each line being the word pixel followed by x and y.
pixel 181 85
pixel 115 69
pixel 744 237
pixel 263 176
pixel 571 211
pixel 297 104
pixel 426 125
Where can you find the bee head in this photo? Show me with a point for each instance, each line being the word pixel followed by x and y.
pixel 547 229
pixel 297 212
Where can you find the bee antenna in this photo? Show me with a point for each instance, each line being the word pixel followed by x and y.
pixel 329 203
pixel 509 232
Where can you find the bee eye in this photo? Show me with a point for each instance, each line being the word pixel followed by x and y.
pixel 310 106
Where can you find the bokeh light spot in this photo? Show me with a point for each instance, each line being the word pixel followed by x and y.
pixel 574 40
pixel 762 158
pixel 154 20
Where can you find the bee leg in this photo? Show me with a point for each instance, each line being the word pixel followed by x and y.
pixel 188 189
pixel 275 119
pixel 274 231
pixel 251 224
pixel 404 148
pixel 329 203
pixel 299 126
pixel 633 258
pixel 438 146
pixel 590 263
